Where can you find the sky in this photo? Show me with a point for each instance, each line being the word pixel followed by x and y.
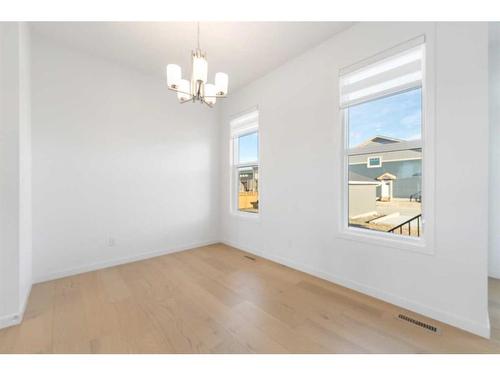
pixel 396 116
pixel 248 148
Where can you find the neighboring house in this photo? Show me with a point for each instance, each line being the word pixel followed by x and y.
pixel 399 172
pixel 249 178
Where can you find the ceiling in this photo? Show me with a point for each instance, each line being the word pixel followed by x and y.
pixel 244 50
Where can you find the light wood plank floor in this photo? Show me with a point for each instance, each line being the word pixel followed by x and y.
pixel 216 300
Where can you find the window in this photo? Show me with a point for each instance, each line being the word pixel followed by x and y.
pixel 245 163
pixel 381 105
pixel 374 162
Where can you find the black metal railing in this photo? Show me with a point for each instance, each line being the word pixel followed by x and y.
pixel 407 223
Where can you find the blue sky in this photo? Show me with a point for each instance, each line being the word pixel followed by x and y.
pixel 248 148
pixel 396 116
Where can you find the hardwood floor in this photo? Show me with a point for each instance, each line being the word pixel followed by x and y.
pixel 214 299
pixel 494 307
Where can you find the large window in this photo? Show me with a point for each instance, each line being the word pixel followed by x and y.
pixel 245 163
pixel 381 104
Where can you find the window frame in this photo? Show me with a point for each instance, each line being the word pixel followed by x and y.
pixel 240 127
pixel 425 243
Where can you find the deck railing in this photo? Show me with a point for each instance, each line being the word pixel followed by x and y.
pixel 408 223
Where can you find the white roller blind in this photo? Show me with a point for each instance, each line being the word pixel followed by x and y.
pixel 244 124
pixel 402 70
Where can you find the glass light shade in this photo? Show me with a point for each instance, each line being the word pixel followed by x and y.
pixel 174 75
pixel 210 94
pixel 185 87
pixel 200 69
pixel 221 83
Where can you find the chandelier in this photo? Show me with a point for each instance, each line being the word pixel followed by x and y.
pixel 197 89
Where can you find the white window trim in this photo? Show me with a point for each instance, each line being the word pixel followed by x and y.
pixel 386 161
pixel 425 243
pixel 379 165
pixel 243 124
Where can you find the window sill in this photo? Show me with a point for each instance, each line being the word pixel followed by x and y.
pixel 246 215
pixel 382 239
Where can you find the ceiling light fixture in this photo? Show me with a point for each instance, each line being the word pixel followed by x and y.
pixel 197 88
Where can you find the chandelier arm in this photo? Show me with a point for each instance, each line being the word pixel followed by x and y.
pixel 182 92
pixel 210 105
pixel 215 96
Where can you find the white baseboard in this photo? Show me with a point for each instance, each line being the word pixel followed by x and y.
pixel 10 320
pixel 454 320
pixel 494 261
pixel 445 317
pixel 117 261
pixel 15 319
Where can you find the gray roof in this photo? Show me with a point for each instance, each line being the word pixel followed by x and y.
pixel 382 139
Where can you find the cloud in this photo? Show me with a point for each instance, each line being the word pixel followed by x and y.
pixel 413 137
pixel 411 120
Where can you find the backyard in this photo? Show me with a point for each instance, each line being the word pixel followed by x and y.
pixel 390 215
pixel 248 201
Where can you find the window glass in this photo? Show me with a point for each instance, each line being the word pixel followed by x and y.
pixel 397 116
pixel 383 198
pixel 385 188
pixel 248 189
pixel 248 148
pixel 374 162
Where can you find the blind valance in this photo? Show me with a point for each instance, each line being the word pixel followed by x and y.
pixel 382 76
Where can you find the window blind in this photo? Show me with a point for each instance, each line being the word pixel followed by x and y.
pixel 244 124
pixel 402 70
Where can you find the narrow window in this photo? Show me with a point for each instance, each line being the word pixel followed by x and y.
pixel 381 105
pixel 245 163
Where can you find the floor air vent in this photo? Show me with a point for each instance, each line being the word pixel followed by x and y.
pixel 418 323
pixel 249 257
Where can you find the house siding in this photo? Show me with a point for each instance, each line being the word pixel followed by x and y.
pixel 407 172
pixel 362 199
pixel 387 156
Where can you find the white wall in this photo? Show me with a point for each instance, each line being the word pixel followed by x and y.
pixel 25 202
pixel 9 171
pixel 15 186
pixel 494 81
pixel 121 171
pixel 299 179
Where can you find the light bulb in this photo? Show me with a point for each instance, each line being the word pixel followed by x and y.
pixel 200 69
pixel 210 94
pixel 184 90
pixel 174 75
pixel 221 83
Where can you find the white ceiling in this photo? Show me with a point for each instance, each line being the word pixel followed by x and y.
pixel 244 50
